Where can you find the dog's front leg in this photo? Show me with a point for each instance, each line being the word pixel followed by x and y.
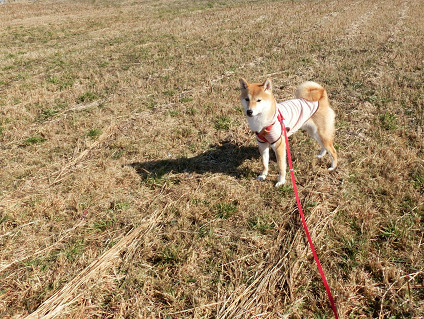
pixel 279 148
pixel 264 151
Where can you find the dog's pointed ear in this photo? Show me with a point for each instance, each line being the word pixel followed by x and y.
pixel 243 84
pixel 267 85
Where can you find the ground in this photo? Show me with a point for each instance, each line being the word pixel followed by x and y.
pixel 127 180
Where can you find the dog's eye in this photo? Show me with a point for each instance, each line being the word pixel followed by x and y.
pixel 247 99
pixel 258 100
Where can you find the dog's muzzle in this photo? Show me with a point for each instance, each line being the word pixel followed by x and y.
pixel 249 112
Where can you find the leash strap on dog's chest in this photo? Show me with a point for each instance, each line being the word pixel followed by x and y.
pixel 305 227
pixel 261 136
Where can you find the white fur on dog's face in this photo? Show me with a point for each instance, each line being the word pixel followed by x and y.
pixel 256 105
pixel 256 98
pixel 260 116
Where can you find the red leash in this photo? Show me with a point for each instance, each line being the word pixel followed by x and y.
pixel 324 280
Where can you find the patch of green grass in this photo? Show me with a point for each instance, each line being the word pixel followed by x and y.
pixel 391 231
pixel 351 253
pixel 47 113
pixel 225 210
pixel 174 113
pixel 37 262
pixel 350 247
pixel 5 218
pixel 154 180
pixel 169 92
pixel 192 111
pixel 186 99
pixel 151 104
pixel 102 225
pixel 170 255
pixel 408 204
pixel 58 62
pixel 222 123
pixel 261 224
pixel 87 97
pixel 205 231
pixel 388 121
pixel 43 263
pixel 94 133
pixel 286 189
pixel 62 82
pixel 74 250
pixel 117 206
pixel 66 83
pixel 159 178
pixel 183 132
pixel 418 179
pixel 107 300
pixel 52 80
pixel 37 139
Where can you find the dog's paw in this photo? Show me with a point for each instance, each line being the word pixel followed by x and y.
pixel 319 155
pixel 280 183
pixel 331 169
pixel 261 177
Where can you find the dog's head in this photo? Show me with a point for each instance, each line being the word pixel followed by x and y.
pixel 256 98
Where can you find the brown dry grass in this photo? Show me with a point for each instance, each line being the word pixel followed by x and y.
pixel 127 171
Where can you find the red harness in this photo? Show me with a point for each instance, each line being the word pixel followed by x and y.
pixel 261 136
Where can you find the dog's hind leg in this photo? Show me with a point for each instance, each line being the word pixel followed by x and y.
pixel 328 145
pixel 312 130
pixel 326 142
pixel 324 137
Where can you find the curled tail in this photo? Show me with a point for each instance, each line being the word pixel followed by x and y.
pixel 311 91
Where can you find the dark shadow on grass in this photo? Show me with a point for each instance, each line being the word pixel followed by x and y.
pixel 225 158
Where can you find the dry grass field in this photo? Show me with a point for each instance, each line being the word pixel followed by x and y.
pixel 127 170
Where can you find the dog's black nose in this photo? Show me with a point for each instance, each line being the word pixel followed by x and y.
pixel 249 112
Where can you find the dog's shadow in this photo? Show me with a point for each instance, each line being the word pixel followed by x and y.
pixel 224 158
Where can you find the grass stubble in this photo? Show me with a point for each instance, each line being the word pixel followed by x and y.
pixel 127 171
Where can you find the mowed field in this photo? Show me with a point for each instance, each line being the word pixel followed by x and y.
pixel 127 170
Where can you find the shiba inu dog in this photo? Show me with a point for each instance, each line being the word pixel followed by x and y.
pixel 310 111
